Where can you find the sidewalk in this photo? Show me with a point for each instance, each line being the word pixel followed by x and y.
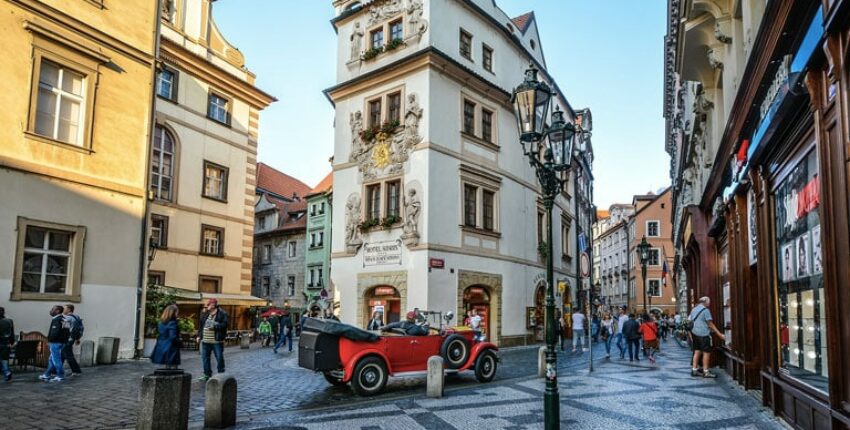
pixel 617 395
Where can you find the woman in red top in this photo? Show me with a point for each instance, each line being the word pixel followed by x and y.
pixel 649 330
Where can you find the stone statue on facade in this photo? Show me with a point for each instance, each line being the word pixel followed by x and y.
pixel 356 41
pixel 385 10
pixel 353 242
pixel 358 147
pixel 412 206
pixel 418 25
pixel 718 34
pixel 714 59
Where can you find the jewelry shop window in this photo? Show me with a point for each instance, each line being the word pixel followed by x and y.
pixel 802 302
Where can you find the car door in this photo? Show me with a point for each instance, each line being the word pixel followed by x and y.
pixel 399 351
pixel 423 347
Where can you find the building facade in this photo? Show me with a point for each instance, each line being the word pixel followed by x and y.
pixel 280 239
pixel 75 132
pixel 319 289
pixel 652 221
pixel 202 163
pixel 757 133
pixel 435 200
pixel 613 248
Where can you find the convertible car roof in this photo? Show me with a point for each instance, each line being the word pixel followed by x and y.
pixel 339 329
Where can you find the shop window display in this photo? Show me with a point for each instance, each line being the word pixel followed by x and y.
pixel 801 295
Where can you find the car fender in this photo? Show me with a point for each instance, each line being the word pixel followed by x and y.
pixel 477 349
pixel 352 362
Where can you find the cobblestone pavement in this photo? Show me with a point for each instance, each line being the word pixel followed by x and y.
pixel 106 397
pixel 617 395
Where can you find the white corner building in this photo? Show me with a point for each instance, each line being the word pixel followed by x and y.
pixel 438 208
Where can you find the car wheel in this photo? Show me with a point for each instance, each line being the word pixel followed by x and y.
pixel 485 366
pixel 333 379
pixel 455 351
pixel 370 376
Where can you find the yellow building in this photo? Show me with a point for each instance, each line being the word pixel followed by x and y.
pixel 202 171
pixel 77 98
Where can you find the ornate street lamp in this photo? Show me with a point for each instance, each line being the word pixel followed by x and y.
pixel 549 151
pixel 643 254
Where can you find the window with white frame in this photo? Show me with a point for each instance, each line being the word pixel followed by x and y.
pixel 162 164
pixel 396 30
pixel 61 103
pixel 653 287
pixel 212 241
pixel 654 257
pixel 49 258
pixel 383 202
pixel 218 108
pixel 215 181
pixel 166 83
pixel 321 208
pixel 320 282
pixel 292 246
pixel 465 42
pixel 565 237
pixel 159 231
pixel 653 229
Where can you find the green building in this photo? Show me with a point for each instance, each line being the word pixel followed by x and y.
pixel 318 291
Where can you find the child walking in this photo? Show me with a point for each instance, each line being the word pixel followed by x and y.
pixel 649 330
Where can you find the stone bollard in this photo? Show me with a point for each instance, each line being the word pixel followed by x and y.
pixel 107 350
pixel 164 401
pixel 87 353
pixel 436 377
pixel 220 403
pixel 541 362
pixel 245 341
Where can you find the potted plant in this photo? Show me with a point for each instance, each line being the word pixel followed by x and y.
pixel 367 225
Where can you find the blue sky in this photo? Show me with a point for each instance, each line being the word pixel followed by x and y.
pixel 607 55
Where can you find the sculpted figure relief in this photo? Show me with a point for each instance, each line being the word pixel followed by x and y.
pixel 412 206
pixel 388 9
pixel 352 222
pixel 356 41
pixel 418 25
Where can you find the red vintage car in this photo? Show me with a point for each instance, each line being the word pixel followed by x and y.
pixel 344 353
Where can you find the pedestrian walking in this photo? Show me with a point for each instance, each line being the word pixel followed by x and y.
pixel 632 335
pixel 702 327
pixel 285 331
pixel 376 322
pixel 621 341
pixel 265 330
pixel 563 329
pixel 7 341
pixel 608 328
pixel 649 331
pixel 578 331
pixel 76 333
pixel 167 349
pixel 594 328
pixel 662 328
pixel 211 334
pixel 57 337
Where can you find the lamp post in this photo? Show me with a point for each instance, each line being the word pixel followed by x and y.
pixel 643 254
pixel 549 150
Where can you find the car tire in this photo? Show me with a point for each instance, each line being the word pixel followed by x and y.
pixel 333 380
pixel 485 366
pixel 455 351
pixel 370 376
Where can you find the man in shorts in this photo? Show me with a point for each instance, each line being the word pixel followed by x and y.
pixel 701 337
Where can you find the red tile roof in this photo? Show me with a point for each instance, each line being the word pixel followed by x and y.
pixel 289 215
pixel 521 22
pixel 601 214
pixel 274 181
pixel 323 186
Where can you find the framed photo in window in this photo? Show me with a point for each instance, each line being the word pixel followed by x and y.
pixel 788 262
pixel 802 256
pixel 817 255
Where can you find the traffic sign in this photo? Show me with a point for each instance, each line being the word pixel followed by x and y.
pixel 584 263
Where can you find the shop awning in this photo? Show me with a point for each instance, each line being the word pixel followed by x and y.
pixel 194 297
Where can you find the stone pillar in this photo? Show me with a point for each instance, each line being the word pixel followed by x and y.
pixel 436 377
pixel 87 353
pixel 541 362
pixel 220 402
pixel 245 341
pixel 164 401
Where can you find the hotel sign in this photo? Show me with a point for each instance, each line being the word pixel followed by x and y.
pixel 382 253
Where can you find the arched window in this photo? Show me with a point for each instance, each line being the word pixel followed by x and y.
pixel 162 164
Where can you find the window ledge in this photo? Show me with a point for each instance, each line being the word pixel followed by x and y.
pixel 480 141
pixel 203 254
pixel 59 143
pixel 481 231
pixel 215 199
pixel 170 100
pixel 47 297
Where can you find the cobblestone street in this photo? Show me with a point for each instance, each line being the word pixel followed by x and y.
pixel 106 396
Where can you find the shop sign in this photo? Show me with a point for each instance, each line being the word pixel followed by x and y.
pixel 385 291
pixel 437 263
pixel 778 86
pixel 752 237
pixel 376 302
pixel 382 253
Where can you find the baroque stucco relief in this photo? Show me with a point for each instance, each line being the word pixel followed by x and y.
pixel 382 153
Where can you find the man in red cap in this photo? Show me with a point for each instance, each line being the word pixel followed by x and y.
pixel 211 334
pixel 408 325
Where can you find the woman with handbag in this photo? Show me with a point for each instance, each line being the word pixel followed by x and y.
pixel 607 332
pixel 167 349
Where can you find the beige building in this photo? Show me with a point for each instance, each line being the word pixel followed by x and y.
pixel 78 85
pixel 203 158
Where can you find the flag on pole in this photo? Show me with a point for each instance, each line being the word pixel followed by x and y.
pixel 664 274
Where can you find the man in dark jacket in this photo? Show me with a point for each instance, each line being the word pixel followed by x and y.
pixel 408 325
pixel 7 340
pixel 57 337
pixel 632 335
pixel 285 331
pixel 211 334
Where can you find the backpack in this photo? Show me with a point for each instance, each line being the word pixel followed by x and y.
pixel 77 329
pixel 688 324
